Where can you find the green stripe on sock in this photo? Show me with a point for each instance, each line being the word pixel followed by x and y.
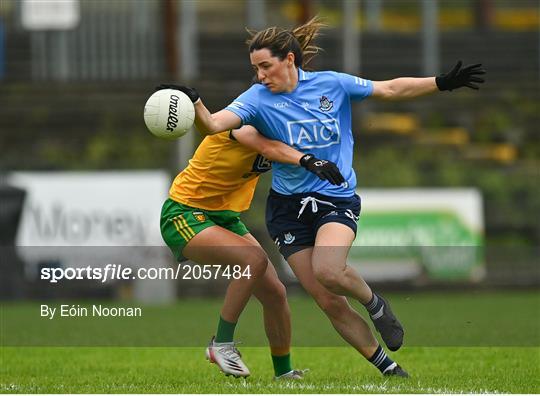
pixel 282 364
pixel 225 331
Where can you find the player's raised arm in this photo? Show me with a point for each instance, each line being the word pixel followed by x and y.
pixel 206 122
pixel 277 151
pixel 411 87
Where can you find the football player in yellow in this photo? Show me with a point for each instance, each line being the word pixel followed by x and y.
pixel 200 221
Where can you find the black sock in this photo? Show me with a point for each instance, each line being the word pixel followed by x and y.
pixel 381 360
pixel 374 306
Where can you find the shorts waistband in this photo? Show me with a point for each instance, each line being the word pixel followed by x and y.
pixel 274 193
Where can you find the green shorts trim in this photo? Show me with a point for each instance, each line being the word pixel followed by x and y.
pixel 180 223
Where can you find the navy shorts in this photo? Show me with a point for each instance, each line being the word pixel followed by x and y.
pixel 293 220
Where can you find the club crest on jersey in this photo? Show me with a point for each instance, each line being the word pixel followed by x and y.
pixel 326 104
pixel 261 164
pixel 199 216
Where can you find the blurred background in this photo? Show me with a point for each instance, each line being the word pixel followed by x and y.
pixel 75 74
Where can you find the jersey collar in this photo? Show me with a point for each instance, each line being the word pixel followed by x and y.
pixel 302 75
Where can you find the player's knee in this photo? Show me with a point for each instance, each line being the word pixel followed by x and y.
pixel 257 260
pixel 328 277
pixel 333 305
pixel 273 294
pixel 279 293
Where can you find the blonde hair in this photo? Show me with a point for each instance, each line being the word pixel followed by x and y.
pixel 282 41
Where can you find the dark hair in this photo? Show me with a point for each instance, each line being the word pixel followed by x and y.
pixel 281 41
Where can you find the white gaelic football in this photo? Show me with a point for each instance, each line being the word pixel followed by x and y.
pixel 169 113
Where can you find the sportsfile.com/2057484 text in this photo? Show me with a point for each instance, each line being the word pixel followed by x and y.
pixel 121 272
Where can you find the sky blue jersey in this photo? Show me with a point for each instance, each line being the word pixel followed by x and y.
pixel 314 118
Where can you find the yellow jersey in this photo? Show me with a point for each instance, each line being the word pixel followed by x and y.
pixel 222 175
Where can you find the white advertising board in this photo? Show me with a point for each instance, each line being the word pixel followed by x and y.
pixel 50 14
pixel 435 234
pixel 79 219
pixel 91 208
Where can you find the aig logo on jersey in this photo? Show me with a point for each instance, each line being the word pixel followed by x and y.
pixel 313 133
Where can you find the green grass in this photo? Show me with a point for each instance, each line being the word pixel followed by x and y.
pixel 430 319
pixel 455 342
pixel 332 370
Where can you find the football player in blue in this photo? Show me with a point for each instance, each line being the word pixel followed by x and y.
pixel 312 221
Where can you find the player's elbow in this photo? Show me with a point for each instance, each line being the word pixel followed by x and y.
pixel 268 151
pixel 390 92
pixel 208 126
pixel 214 126
pixel 387 90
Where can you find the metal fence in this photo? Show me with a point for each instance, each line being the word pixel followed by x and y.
pixel 136 39
pixel 117 40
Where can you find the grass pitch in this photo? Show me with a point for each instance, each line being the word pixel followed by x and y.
pixel 506 363
pixel 332 370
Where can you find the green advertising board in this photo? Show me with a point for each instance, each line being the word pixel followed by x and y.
pixel 438 231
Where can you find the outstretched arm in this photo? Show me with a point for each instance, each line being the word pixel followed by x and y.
pixel 410 87
pixel 277 151
pixel 206 122
pixel 403 88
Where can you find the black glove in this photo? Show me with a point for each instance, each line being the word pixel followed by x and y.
pixel 459 77
pixel 325 170
pixel 190 92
